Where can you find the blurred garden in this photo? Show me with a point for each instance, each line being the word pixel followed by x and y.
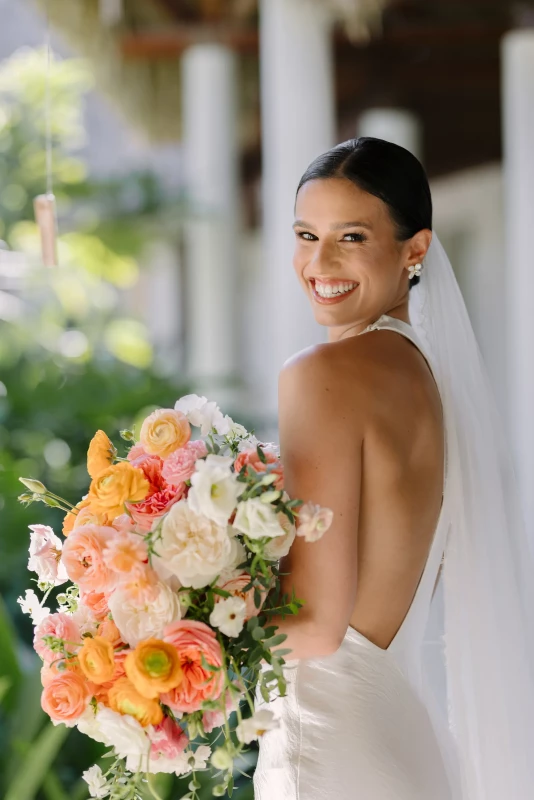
pixel 73 359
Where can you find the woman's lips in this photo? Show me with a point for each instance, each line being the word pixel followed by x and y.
pixel 328 301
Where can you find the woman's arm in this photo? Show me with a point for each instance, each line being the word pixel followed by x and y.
pixel 320 446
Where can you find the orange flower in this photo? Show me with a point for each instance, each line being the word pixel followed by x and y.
pixel 66 697
pixel 115 485
pixel 164 431
pixel 124 698
pixel 88 516
pixel 154 667
pixel 96 659
pixel 100 454
pixel 109 631
pixel 71 517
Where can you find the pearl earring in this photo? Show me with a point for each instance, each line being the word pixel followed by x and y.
pixel 415 269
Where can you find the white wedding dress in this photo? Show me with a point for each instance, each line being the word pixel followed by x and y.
pixel 363 723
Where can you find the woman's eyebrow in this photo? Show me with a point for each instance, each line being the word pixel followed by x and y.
pixel 337 226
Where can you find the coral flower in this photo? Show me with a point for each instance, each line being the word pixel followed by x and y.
pixel 65 698
pixel 125 552
pixel 100 454
pixel 96 659
pixel 192 639
pixel 154 667
pixel 116 485
pixel 124 698
pixel 70 519
pixel 155 506
pixel 164 431
pixel 96 602
pixel 252 459
pixel 84 561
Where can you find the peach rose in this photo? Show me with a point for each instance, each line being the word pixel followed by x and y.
pixel 164 431
pixel 180 465
pixel 152 467
pixel 96 602
pixel 96 659
pixel 141 585
pixel 53 669
pixel 191 639
pixel 154 667
pixel 100 454
pixel 125 699
pixel 108 630
pixel 84 560
pixel 252 459
pixel 135 451
pixel 61 626
pixel 155 506
pixel 123 523
pixel 88 516
pixel 116 485
pixel 125 553
pixel 65 698
pixel 235 587
pixel 71 517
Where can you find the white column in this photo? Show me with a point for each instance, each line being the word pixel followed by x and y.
pixel 517 273
pixel 395 125
pixel 210 159
pixel 298 123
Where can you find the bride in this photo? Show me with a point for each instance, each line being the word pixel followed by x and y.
pixel 392 425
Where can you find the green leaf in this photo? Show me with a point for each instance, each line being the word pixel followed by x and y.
pixel 37 763
pixel 274 640
pixel 252 623
pixel 261 454
pixel 9 668
pixel 258 633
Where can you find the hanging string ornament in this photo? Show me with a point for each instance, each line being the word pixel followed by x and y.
pixel 45 204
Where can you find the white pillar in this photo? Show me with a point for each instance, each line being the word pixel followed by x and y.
pixel 210 158
pixel 298 123
pixel 517 273
pixel 395 125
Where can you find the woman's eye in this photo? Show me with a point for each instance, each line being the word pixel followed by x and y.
pixel 309 237
pixel 357 237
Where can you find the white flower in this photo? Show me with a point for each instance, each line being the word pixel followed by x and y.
pixel 203 413
pixel 236 430
pixel 238 554
pixel 313 521
pixel 201 754
pixel 279 547
pixel 257 519
pixel 214 488
pixel 138 620
pixel 45 555
pixel 255 726
pixel 120 731
pixel 228 615
pixel 96 781
pixel 31 605
pixel 192 546
pixel 85 619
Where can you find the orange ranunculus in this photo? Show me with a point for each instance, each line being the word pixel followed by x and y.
pixel 154 667
pixel 164 431
pixel 96 659
pixel 124 698
pixel 88 516
pixel 100 454
pixel 66 697
pixel 120 482
pixel 71 517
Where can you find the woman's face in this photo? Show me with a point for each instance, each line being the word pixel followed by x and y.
pixel 345 243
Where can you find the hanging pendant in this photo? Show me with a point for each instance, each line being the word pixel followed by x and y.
pixel 45 215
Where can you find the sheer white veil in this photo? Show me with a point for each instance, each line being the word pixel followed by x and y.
pixel 488 576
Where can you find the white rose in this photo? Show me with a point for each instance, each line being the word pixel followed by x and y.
pixel 203 413
pixel 228 615
pixel 257 519
pixel 45 555
pixel 95 781
pixel 255 726
pixel 192 546
pixel 280 546
pixel 214 488
pixel 137 620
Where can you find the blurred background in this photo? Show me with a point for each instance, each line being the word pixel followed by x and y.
pixel 178 131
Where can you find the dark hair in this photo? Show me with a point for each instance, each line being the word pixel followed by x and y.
pixel 385 170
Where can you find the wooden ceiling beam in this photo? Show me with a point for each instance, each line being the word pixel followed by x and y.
pixel 172 42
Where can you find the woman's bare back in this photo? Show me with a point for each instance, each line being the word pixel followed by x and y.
pixel 402 473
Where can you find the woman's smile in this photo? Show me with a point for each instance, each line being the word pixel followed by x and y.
pixel 331 291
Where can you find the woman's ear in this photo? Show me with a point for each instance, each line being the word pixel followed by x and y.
pixel 418 245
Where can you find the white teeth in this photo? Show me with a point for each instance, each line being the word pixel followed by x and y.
pixel 329 290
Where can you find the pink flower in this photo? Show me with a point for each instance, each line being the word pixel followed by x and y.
pixel 125 553
pixel 193 639
pixel 151 466
pixel 235 587
pixel 65 698
pixel 96 602
pixel 180 465
pixel 124 523
pixel 61 626
pixel 84 561
pixel 154 506
pixel 45 555
pixel 168 739
pixel 313 521
pixel 252 459
pixel 136 451
pixel 215 719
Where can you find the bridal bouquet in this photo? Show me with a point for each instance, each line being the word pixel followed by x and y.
pixel 171 564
